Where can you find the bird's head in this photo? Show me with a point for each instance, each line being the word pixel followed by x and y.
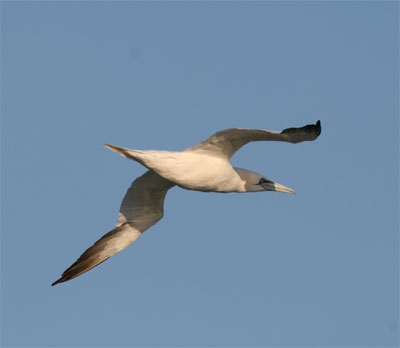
pixel 254 182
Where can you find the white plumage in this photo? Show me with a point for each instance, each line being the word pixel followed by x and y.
pixel 204 167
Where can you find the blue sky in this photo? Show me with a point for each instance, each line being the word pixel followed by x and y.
pixel 316 269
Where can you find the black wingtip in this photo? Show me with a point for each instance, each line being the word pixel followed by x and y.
pixel 318 125
pixel 57 281
pixel 64 278
pixel 309 132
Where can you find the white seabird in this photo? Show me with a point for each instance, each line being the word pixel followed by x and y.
pixel 204 167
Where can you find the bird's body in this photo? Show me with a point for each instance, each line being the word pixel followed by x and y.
pixel 189 170
pixel 204 167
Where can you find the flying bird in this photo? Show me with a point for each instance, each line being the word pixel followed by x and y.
pixel 204 167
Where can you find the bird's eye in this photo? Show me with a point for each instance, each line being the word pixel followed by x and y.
pixel 264 181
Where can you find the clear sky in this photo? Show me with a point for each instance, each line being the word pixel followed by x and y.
pixel 315 269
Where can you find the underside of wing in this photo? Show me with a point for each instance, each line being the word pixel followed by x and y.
pixel 225 143
pixel 107 246
pixel 141 208
pixel 143 204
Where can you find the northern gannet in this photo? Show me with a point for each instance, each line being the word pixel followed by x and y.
pixel 204 167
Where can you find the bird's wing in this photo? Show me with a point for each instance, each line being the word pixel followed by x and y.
pixel 225 143
pixel 142 207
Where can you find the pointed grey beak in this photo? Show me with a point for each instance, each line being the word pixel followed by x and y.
pixel 274 186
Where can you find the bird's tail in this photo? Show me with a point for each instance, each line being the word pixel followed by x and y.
pixel 124 152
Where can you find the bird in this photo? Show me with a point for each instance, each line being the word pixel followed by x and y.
pixel 204 167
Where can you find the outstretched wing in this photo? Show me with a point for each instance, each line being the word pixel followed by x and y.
pixel 225 143
pixel 142 207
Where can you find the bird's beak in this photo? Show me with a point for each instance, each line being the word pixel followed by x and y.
pixel 274 186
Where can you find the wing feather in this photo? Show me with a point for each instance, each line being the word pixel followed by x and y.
pixel 225 143
pixel 142 207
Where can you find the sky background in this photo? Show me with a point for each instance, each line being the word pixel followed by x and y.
pixel 316 269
